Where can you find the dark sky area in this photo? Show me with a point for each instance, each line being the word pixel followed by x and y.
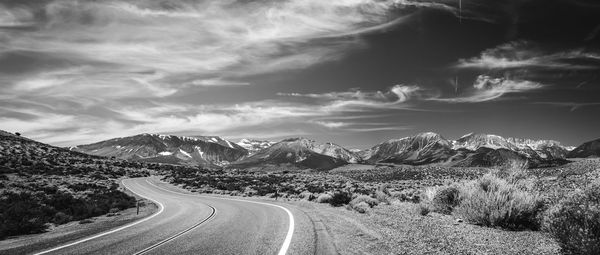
pixel 347 71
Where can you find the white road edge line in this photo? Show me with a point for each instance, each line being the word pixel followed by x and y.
pixel 162 208
pixel 290 233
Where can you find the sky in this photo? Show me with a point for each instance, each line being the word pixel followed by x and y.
pixel 353 72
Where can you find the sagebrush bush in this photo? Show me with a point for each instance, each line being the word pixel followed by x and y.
pixel 575 221
pixel 324 198
pixel 445 199
pixel 408 195
pixel 361 207
pixel 494 202
pixel 340 198
pixel 382 197
pixel 364 199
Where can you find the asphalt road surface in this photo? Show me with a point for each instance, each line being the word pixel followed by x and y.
pixel 193 224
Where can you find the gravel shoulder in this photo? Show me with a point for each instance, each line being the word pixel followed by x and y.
pixel 399 229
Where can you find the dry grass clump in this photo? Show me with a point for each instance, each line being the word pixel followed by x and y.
pixel 423 208
pixel 575 221
pixel 494 202
pixel 425 205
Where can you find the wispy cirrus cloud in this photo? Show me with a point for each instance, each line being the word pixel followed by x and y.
pixel 529 55
pixel 102 67
pixel 486 88
pixel 394 98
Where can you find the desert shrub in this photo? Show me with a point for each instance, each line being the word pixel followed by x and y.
pixel 429 194
pixel 513 171
pixel 575 221
pixel 364 199
pixel 61 218
pixel 407 195
pixel 385 188
pixel 382 197
pixel 445 199
pixel 324 198
pixel 21 215
pixel 423 208
pixel 307 196
pixel 340 198
pixel 361 207
pixel 494 202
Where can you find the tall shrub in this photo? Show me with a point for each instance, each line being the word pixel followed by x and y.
pixel 575 221
pixel 494 202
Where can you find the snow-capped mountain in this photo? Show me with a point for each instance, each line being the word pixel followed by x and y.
pixel 299 153
pixel 336 151
pixel 254 146
pixel 544 149
pixel 588 149
pixel 423 148
pixel 469 150
pixel 476 141
pixel 198 150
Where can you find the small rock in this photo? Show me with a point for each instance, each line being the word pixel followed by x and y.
pixel 459 220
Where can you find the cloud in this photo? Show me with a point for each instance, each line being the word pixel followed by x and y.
pixel 486 88
pixel 331 124
pixel 378 129
pixel 218 82
pixel 211 36
pixel 528 55
pixel 113 68
pixel 392 99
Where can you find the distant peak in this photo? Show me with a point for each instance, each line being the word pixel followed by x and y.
pixel 428 135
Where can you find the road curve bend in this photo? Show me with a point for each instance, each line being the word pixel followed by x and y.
pixel 193 224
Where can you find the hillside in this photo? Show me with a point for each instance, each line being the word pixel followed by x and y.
pixel 588 149
pixel 42 185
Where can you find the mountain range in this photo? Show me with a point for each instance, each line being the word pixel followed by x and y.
pixel 301 153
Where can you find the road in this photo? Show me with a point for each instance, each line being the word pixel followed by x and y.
pixel 193 224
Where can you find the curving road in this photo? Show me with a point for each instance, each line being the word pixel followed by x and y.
pixel 192 224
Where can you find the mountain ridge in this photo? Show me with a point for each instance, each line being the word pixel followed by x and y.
pixel 473 149
pixel 208 151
